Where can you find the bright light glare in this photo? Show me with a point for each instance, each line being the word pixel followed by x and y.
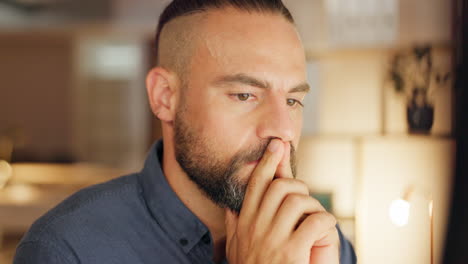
pixel 399 212
pixel 21 193
pixel 5 173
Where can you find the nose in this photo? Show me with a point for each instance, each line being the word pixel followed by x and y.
pixel 276 121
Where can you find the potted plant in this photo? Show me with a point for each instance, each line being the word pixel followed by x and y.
pixel 413 75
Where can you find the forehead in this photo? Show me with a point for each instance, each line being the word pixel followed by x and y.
pixel 238 41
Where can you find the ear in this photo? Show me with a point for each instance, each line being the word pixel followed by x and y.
pixel 161 88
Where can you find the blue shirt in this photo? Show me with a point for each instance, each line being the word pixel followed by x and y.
pixel 133 219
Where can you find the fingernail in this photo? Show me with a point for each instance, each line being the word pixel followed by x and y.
pixel 274 145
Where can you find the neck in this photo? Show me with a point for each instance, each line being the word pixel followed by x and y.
pixel 211 215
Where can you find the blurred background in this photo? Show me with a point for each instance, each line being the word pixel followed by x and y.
pixel 382 125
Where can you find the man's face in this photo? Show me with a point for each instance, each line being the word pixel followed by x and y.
pixel 245 86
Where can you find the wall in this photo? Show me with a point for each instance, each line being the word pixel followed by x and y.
pixel 35 80
pixel 352 78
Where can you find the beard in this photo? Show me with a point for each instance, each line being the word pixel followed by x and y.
pixel 216 177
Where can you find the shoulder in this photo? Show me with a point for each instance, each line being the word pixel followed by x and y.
pixel 43 252
pixel 88 207
pixel 347 254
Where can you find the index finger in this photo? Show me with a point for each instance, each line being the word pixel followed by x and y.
pixel 260 180
pixel 284 167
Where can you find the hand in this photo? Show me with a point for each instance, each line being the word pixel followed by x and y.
pixel 279 222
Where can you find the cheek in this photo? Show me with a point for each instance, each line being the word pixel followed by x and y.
pixel 226 130
pixel 223 127
pixel 297 127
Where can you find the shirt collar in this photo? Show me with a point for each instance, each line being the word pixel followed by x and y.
pixel 180 224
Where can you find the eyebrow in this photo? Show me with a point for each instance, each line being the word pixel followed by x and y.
pixel 245 79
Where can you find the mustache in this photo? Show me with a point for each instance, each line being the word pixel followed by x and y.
pixel 257 152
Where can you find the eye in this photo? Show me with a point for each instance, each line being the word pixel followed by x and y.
pixel 243 96
pixel 293 102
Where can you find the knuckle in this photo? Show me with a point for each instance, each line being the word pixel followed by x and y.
pixel 303 186
pixel 316 204
pixel 287 185
pixel 253 181
pixel 331 219
pixel 279 185
pixel 314 221
pixel 322 220
pixel 295 200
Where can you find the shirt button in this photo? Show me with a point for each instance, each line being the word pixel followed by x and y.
pixel 183 241
pixel 206 239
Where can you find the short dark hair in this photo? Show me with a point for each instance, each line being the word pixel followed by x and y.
pixel 178 8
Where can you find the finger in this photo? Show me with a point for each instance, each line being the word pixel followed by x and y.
pixel 326 252
pixel 278 190
pixel 292 209
pixel 259 181
pixel 231 224
pixel 231 220
pixel 315 231
pixel 284 167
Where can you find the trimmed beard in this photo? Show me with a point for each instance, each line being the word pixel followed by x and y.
pixel 217 179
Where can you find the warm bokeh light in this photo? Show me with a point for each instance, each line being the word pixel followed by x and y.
pixel 5 173
pixel 399 212
pixel 21 193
